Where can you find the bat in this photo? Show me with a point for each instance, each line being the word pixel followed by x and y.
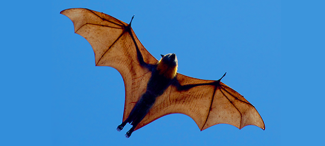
pixel 154 88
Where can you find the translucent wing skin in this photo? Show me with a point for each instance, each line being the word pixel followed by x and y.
pixel 115 45
pixel 207 102
pixel 208 105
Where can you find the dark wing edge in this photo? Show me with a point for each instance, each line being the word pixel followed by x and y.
pixel 207 105
pixel 116 45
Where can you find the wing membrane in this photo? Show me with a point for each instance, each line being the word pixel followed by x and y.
pixel 114 45
pixel 207 105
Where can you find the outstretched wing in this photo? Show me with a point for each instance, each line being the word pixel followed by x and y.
pixel 207 102
pixel 116 45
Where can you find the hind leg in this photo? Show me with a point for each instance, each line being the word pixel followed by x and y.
pixel 120 127
pixel 139 111
pixel 128 134
pixel 130 119
pixel 136 121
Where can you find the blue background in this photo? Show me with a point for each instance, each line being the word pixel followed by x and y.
pixel 272 51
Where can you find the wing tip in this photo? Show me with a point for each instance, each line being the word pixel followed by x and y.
pixel 69 9
pixel 260 126
pixel 63 11
pixel 66 10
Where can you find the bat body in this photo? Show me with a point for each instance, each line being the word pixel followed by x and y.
pixel 161 78
pixel 154 88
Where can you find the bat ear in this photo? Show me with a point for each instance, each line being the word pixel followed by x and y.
pixel 161 55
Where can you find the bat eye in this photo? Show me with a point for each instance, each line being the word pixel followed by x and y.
pixel 161 55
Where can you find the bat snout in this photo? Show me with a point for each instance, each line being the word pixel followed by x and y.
pixel 170 59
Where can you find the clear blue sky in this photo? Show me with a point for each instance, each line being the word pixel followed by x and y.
pixel 273 53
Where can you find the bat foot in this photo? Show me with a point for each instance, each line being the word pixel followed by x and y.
pixel 128 134
pixel 119 128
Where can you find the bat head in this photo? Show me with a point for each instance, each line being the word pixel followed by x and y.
pixel 169 59
pixel 167 65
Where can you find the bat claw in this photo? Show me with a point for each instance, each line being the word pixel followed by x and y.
pixel 128 134
pixel 119 128
pixel 223 76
